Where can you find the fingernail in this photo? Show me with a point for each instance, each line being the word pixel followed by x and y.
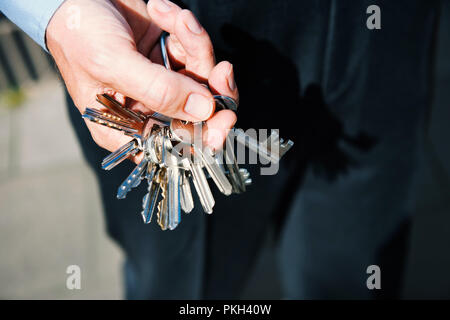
pixel 193 25
pixel 231 82
pixel 162 5
pixel 198 106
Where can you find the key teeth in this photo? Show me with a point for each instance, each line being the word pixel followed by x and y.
pixel 118 109
pixel 161 208
pixel 144 214
pixel 287 145
pixel 133 179
pixel 124 127
pixel 122 192
pixel 159 215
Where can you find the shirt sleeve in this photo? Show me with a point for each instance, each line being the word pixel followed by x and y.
pixel 31 16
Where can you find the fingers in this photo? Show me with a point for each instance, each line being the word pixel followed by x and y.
pixel 160 90
pixel 221 80
pixel 163 13
pixel 218 128
pixel 189 43
pixel 195 40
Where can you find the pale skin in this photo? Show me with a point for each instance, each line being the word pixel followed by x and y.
pixel 115 49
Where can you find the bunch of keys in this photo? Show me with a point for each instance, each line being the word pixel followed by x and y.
pixel 171 160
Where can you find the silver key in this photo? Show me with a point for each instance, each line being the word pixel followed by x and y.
pixel 215 171
pixel 272 149
pixel 153 175
pixel 208 160
pixel 173 186
pixel 152 146
pixel 233 168
pixel 186 200
pixel 200 184
pixel 205 157
pixel 173 182
pixel 276 146
pixel 150 199
pixel 129 149
pixel 245 176
pixel 133 180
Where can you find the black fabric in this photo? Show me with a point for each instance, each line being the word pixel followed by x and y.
pixel 339 90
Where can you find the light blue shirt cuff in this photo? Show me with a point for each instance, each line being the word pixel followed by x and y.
pixel 32 16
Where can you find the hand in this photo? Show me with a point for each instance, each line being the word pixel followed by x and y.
pixel 115 49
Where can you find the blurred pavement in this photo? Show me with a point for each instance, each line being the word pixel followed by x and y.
pixel 50 210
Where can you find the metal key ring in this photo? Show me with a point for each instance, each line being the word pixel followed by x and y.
pixel 224 102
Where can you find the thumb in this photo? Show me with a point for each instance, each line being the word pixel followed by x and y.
pixel 161 90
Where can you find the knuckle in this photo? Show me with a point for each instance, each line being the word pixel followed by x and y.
pixel 99 64
pixel 202 48
pixel 186 13
pixel 162 94
pixel 206 48
pixel 176 48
